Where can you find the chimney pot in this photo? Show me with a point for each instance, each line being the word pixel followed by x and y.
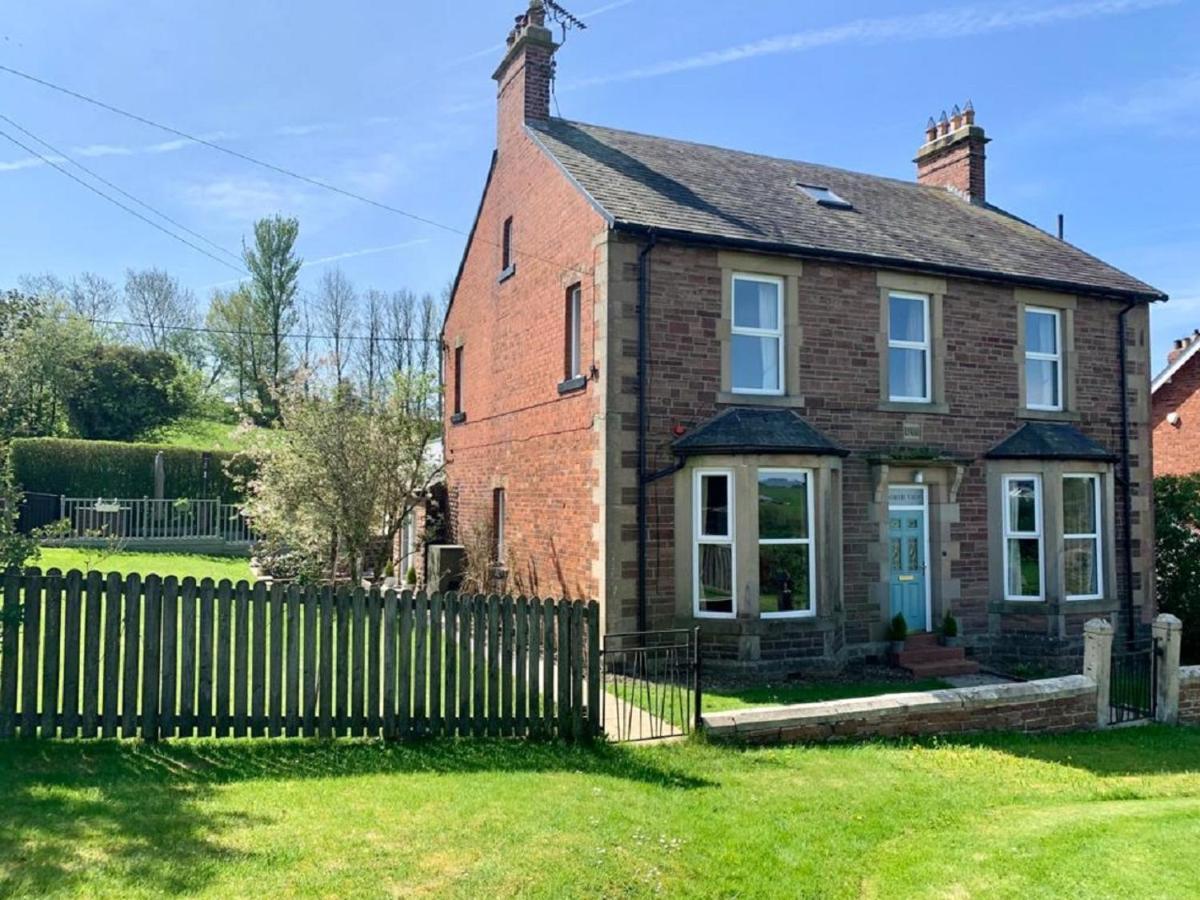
pixel 953 155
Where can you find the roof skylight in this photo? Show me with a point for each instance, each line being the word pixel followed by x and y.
pixel 824 196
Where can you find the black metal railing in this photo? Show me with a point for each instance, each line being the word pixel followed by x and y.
pixel 651 683
pixel 1133 685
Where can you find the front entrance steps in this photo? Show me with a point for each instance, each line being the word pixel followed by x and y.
pixel 924 657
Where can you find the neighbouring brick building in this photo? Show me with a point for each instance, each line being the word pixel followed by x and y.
pixel 1175 410
pixel 784 402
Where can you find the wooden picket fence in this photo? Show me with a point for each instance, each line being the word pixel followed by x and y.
pixel 89 655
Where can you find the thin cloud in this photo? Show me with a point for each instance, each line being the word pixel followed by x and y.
pixel 338 257
pixel 940 25
pixel 1166 105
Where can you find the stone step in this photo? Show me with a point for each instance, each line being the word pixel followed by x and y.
pixel 930 654
pixel 921 639
pixel 944 668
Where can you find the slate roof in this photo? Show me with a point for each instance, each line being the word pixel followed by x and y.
pixel 692 190
pixel 753 430
pixel 1050 440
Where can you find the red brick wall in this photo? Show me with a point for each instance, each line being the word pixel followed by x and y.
pixel 519 432
pixel 1177 447
pixel 839 375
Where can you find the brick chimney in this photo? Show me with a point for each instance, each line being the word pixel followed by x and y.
pixel 1181 346
pixel 952 155
pixel 523 77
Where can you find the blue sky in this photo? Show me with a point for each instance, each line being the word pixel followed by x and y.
pixel 1093 107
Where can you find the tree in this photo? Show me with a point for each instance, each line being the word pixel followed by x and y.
pixel 92 297
pixel 124 392
pixel 337 309
pixel 241 351
pixel 1177 554
pixel 340 472
pixel 274 270
pixel 42 347
pixel 372 356
pixel 16 549
pixel 163 310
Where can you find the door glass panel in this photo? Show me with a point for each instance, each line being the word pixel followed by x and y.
pixel 783 578
pixel 896 553
pixel 914 555
pixel 716 578
pixel 782 505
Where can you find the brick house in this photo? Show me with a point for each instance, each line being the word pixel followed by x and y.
pixel 782 401
pixel 1175 410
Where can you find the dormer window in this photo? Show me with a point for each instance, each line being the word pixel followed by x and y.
pixel 825 197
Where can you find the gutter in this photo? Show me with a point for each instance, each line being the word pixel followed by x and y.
pixel 688 237
pixel 643 476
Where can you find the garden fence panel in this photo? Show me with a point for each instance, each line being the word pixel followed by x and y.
pixel 155 657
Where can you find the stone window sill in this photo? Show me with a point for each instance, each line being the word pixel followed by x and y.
pixel 1053 607
pixel 458 418
pixel 928 409
pixel 1049 415
pixel 571 385
pixel 507 273
pixel 788 402
pixel 750 625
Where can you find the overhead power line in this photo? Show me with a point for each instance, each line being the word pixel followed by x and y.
pixel 229 332
pixel 128 196
pixel 245 157
pixel 114 201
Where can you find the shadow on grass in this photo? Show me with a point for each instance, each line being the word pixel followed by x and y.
pixel 1142 750
pixel 138 809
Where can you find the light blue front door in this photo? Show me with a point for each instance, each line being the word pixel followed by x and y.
pixel 907 553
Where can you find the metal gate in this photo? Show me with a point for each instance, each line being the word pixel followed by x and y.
pixel 1133 687
pixel 651 684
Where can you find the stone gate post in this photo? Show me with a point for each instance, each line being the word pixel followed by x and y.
pixel 1097 664
pixel 1168 634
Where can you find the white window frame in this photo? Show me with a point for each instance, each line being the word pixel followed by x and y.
pixel 781 285
pixel 1037 533
pixel 809 541
pixel 1056 358
pixel 1095 536
pixel 574 329
pixel 926 346
pixel 727 540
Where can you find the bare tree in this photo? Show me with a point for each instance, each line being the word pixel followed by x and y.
pixel 372 356
pixel 93 297
pixel 401 314
pixel 337 311
pixel 163 311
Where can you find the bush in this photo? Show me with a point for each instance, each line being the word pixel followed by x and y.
pixel 109 469
pixel 124 392
pixel 1177 557
pixel 949 626
pixel 898 628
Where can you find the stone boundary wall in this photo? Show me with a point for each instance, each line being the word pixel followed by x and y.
pixel 1050 705
pixel 1189 695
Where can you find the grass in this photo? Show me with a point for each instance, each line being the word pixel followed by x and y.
pixel 125 562
pixel 1084 815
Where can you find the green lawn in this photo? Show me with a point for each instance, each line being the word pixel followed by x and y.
pixel 1087 815
pixel 180 565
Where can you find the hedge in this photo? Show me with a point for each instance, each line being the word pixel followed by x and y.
pixel 77 468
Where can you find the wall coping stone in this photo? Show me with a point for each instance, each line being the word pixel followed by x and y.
pixel 760 719
pixel 1189 673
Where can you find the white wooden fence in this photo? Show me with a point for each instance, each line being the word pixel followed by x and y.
pixel 145 519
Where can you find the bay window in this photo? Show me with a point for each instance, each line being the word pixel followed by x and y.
pixel 785 552
pixel 1023 558
pixel 714 567
pixel 757 346
pixel 1081 537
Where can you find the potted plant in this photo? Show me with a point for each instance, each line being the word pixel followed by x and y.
pixel 897 631
pixel 410 577
pixel 389 575
pixel 949 631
